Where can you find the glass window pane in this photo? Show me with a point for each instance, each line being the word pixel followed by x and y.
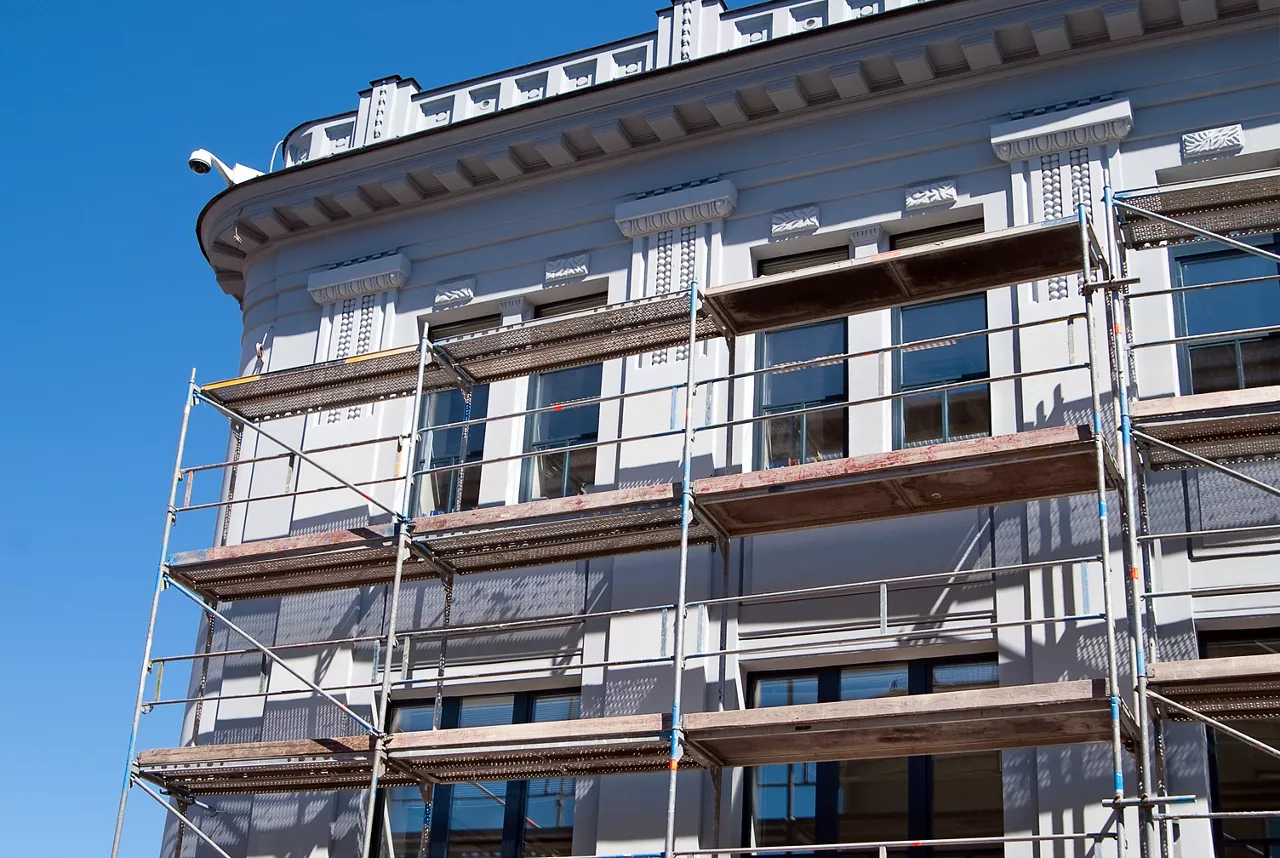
pixel 968 801
pixel 563 473
pixel 1214 367
pixel 1229 308
pixel 476 814
pixel 548 824
pixel 443 448
pixel 406 814
pixel 968 413
pixel 557 707
pixel 1261 361
pixel 922 419
pixel 955 360
pixel 782 441
pixel 881 680
pixel 407 719
pixel 485 711
pixel 811 385
pixel 786 691
pixel 784 804
pixel 961 676
pixel 873 800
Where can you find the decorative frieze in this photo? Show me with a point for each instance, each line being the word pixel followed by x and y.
pixel 672 209
pixel 1213 142
pixel 455 293
pixel 1059 131
pixel 792 221
pixel 568 267
pixel 939 193
pixel 367 275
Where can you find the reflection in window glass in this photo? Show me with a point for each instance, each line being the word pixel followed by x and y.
pixel 968 801
pixel 956 413
pixel 873 800
pixel 1230 363
pixel 558 472
pixel 866 683
pixel 443 448
pixel 786 691
pixel 1245 779
pixel 962 676
pixel 811 437
pixel 548 823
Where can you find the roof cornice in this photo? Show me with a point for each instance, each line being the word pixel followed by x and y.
pixel 597 126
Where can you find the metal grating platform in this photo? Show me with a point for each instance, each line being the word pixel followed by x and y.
pixel 1040 463
pixel 1239 688
pixel 1228 426
pixel 577 748
pixel 1061 713
pixel 558 530
pixel 951 722
pixel 930 272
pixel 514 351
pixel 1234 205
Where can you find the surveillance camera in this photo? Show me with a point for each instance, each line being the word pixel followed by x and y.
pixel 203 161
pixel 200 162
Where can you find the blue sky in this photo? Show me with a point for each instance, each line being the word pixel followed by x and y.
pixel 107 304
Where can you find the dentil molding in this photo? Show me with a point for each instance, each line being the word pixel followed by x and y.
pixel 673 209
pixel 366 276
pixel 1062 130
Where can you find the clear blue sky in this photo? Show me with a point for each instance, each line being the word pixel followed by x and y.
pixel 106 304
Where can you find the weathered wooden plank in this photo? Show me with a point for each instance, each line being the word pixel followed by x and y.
pixel 541 510
pixel 263 548
pixel 1199 403
pixel 1240 668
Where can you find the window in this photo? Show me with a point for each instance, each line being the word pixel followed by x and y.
pixel 558 472
pixel 1229 363
pixel 905 798
pixel 439 491
pixel 955 413
pixel 443 449
pixel 815 436
pixel 1243 778
pixel 502 819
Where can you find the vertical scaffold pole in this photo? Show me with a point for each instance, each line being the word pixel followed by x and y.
pixel 1104 535
pixel 170 518
pixel 382 704
pixel 686 515
pixel 1118 337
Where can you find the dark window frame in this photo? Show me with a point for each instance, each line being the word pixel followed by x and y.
pixel 1177 261
pixel 920 798
pixel 517 792
pixel 899 403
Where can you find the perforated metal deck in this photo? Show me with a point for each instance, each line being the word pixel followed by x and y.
pixel 1039 463
pixel 536 533
pixel 943 269
pixel 1234 205
pixel 1228 426
pixel 1240 688
pixel 513 351
pixel 948 722
pixel 578 748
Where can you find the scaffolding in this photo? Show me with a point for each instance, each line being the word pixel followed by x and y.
pixel 1123 439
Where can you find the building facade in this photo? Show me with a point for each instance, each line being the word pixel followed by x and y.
pixel 774 141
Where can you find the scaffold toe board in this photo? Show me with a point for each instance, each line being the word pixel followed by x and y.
pixel 512 351
pixel 1232 206
pixel 949 722
pixel 943 269
pixel 575 748
pixel 556 530
pixel 1229 425
pixel 1039 463
pixel 295 564
pixel 1238 688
